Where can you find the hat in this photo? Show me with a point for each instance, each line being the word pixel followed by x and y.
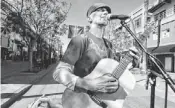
pixel 97 6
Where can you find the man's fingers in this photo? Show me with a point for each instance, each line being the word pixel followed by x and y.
pixel 108 78
pixel 39 101
pixel 134 51
pixel 108 89
pixel 43 99
pixel 112 84
pixel 135 56
pixel 112 88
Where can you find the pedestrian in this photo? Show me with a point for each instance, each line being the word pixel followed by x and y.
pixel 60 56
pixel 46 61
pixel 83 54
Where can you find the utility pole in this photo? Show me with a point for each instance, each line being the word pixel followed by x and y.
pixel 144 62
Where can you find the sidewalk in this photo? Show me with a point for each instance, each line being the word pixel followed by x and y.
pixel 10 68
pixel 16 82
pixel 160 86
pixel 20 82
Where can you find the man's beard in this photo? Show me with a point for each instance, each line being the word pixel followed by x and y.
pixel 103 24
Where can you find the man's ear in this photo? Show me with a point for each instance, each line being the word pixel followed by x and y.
pixel 89 20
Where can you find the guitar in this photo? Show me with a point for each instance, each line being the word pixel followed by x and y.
pixel 78 99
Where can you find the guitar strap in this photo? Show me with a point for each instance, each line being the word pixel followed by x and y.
pixel 96 99
pixel 105 42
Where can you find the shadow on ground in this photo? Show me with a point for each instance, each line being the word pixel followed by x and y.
pixel 43 76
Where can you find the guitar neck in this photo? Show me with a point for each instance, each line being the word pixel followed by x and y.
pixel 122 66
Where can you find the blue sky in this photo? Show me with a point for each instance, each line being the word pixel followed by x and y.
pixel 77 13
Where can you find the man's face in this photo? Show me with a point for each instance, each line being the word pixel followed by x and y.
pixel 99 16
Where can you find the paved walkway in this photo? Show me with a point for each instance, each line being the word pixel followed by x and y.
pixel 16 80
pixel 44 84
pixel 160 86
pixel 10 68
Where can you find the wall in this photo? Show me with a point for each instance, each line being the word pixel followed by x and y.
pixel 136 14
pixel 167 27
pixel 167 37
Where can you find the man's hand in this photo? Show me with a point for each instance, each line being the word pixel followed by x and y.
pixel 45 102
pixel 42 102
pixel 106 83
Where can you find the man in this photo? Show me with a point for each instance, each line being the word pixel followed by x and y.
pixel 84 52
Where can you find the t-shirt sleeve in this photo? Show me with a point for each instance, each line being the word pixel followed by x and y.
pixel 74 50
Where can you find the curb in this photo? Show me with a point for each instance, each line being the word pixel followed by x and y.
pixel 15 97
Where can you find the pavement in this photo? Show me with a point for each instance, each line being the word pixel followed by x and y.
pixel 160 86
pixel 16 81
pixel 10 68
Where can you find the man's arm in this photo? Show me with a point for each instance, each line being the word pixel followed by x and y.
pixel 64 70
pixel 64 75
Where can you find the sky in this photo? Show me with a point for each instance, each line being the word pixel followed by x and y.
pixel 77 13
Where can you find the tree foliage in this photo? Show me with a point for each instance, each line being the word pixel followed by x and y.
pixel 42 17
pixel 34 19
pixel 120 39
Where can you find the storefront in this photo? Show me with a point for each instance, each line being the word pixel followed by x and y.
pixel 164 44
pixel 165 52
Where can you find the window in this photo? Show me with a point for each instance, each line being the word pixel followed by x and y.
pixel 138 23
pixel 170 12
pixel 168 64
pixel 148 19
pixel 160 15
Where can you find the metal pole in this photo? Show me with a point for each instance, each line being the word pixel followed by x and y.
pixel 152 100
pixel 166 94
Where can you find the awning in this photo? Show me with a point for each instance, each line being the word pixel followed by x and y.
pixel 154 8
pixel 158 5
pixel 168 49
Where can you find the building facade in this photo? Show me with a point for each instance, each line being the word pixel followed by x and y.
pixel 164 13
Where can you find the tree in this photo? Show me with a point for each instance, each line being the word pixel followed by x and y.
pixel 38 19
pixel 122 41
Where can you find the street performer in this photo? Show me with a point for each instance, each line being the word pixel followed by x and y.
pixel 84 52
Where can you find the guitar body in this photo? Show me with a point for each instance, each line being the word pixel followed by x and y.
pixel 77 99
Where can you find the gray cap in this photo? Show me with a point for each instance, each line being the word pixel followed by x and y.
pixel 96 6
